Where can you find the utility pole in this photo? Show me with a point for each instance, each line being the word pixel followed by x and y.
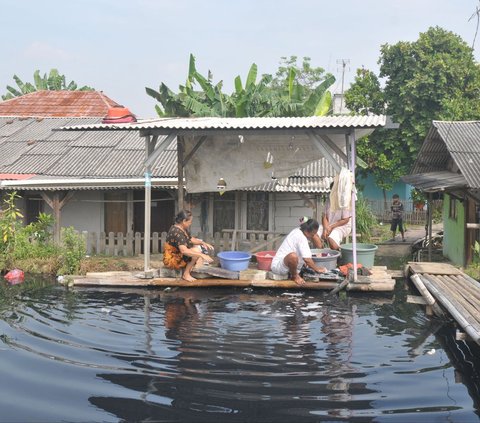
pixel 344 63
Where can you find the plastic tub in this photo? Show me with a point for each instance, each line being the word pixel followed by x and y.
pixel 365 254
pixel 264 259
pixel 234 260
pixel 325 257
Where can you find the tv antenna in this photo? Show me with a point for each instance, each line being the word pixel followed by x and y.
pixel 344 63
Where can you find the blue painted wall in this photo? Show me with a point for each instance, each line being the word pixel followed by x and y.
pixel 371 191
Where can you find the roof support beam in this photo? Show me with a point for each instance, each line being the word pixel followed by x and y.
pixel 157 149
pixel 194 149
pixel 325 150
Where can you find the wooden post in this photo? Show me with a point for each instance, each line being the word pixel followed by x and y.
pixel 430 223
pixel 56 204
pixel 180 154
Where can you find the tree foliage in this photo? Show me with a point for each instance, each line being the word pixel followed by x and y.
pixel 54 81
pixel 294 91
pixel 433 78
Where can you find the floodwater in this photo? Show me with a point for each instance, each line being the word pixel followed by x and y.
pixel 225 355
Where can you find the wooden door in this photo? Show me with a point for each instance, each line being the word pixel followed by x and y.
pixel 162 211
pixel 116 211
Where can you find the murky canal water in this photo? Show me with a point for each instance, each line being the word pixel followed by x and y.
pixel 227 355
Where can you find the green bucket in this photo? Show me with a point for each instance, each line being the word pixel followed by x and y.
pixel 365 253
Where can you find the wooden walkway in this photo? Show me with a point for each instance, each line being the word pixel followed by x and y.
pixel 381 280
pixel 444 287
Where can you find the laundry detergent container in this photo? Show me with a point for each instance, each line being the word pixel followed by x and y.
pixel 325 257
pixel 234 260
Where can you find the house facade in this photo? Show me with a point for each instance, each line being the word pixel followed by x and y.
pixel 449 162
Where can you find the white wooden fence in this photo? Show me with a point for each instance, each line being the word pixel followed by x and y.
pixel 131 244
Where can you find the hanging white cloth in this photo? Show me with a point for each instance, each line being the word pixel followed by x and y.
pixel 341 192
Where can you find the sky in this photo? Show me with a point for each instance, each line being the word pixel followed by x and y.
pixel 120 47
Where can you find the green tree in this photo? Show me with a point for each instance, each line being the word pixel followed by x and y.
pixel 284 95
pixel 54 81
pixel 433 78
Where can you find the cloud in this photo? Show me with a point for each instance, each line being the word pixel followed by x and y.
pixel 44 51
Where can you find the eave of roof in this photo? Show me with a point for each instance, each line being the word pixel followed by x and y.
pixel 85 183
pixel 436 181
pixel 253 123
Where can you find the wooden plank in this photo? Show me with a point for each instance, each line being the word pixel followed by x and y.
pixel 396 274
pixel 415 299
pixel 434 268
pixel 217 271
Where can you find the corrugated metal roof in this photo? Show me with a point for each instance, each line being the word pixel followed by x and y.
pixel 459 141
pixel 110 155
pixel 436 181
pixel 206 123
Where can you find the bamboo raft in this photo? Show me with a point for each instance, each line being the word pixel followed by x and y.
pixel 381 280
pixel 444 287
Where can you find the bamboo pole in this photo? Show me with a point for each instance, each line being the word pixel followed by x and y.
pixel 452 309
pixel 426 295
pixel 462 302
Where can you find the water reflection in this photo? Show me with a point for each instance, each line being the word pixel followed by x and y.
pixel 270 356
pixel 224 355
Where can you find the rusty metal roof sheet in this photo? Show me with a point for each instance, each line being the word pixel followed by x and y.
pixel 451 141
pixel 57 104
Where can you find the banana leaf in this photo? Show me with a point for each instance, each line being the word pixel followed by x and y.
pixel 238 85
pixel 316 96
pixel 252 76
pixel 324 105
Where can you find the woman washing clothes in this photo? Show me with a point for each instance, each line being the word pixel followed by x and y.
pixel 295 252
pixel 183 251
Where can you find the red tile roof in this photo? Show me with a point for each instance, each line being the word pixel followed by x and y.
pixel 58 104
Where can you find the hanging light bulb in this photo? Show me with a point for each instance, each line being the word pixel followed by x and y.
pixel 241 139
pixel 221 186
pixel 268 161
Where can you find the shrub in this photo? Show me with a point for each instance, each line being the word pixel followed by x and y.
pixel 365 219
pixel 73 251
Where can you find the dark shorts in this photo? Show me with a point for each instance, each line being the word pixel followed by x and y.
pixel 395 223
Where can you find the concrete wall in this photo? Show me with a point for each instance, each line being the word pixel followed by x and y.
pixel 285 211
pixel 454 232
pixel 84 211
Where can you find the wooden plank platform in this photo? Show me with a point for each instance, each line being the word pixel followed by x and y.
pixel 379 281
pixel 457 292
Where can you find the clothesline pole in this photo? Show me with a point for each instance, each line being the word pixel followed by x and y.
pixel 353 155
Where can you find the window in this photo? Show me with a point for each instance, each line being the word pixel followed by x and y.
pixel 257 211
pixel 33 207
pixel 452 213
pixel 223 211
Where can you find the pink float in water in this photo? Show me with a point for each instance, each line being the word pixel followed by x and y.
pixel 15 276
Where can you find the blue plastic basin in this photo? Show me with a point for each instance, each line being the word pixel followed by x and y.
pixel 234 260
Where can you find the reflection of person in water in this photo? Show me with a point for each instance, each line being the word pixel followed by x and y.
pixel 177 311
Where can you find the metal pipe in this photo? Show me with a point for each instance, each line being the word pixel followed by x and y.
pixel 148 209
pixel 354 220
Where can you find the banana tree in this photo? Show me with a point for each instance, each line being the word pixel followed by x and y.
pixel 54 81
pixel 209 101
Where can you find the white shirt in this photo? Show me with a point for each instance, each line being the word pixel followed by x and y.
pixel 295 242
